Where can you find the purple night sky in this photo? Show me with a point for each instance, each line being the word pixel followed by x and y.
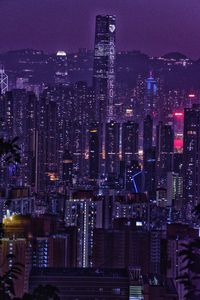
pixel 152 26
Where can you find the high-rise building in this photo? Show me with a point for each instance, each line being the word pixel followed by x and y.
pixel 48 144
pixel 63 98
pixel 67 169
pixel 82 212
pixel 191 163
pixel 84 114
pixel 155 251
pixel 174 189
pixel 84 103
pixel 154 97
pixel 149 159
pixel 178 131
pixel 104 67
pixel 73 283
pixel 16 250
pixel 80 66
pixel 18 119
pixel 128 246
pixel 45 251
pixel 151 95
pixel 6 127
pixel 147 134
pixel 8 104
pixel 3 80
pixel 61 74
pixel 31 141
pixel 112 148
pixel 164 153
pixel 140 89
pixel 34 242
pixel 20 201
pixel 94 150
pixel 177 180
pixel 131 206
pixel 130 136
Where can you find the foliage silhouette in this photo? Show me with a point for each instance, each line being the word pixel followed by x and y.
pixel 9 151
pixel 42 292
pixel 190 255
pixel 7 290
pixel 9 154
pixel 45 292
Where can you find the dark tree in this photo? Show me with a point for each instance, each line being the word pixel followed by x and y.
pixel 9 150
pixel 46 292
pixel 196 211
pixel 9 154
pixel 7 290
pixel 191 260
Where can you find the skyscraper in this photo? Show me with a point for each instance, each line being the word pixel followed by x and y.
pixel 67 168
pixel 130 136
pixel 147 134
pixel 151 95
pixel 3 81
pixel 47 141
pixel 94 150
pixel 164 153
pixel 191 150
pixel 83 212
pixel 18 119
pixel 61 75
pixel 31 141
pixel 104 67
pixel 149 160
pixel 112 148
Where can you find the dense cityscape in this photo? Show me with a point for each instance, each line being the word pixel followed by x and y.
pixel 100 180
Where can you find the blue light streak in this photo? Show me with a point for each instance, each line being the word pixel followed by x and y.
pixel 133 180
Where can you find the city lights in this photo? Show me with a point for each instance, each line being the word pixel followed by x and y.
pixel 99 150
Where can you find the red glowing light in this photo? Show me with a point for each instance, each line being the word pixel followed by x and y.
pixel 178 144
pixel 178 114
pixel 191 95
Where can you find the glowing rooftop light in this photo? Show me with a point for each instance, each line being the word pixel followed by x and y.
pixel 61 53
pixel 138 223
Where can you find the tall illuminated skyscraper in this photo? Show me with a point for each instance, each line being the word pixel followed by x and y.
pixel 84 213
pixel 104 67
pixel 164 152
pixel 47 143
pixel 94 132
pixel 112 148
pixel 61 75
pixel 130 136
pixel 3 81
pixel 191 149
pixel 149 159
pixel 151 95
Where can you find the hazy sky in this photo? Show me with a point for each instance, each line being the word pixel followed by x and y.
pixel 152 26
